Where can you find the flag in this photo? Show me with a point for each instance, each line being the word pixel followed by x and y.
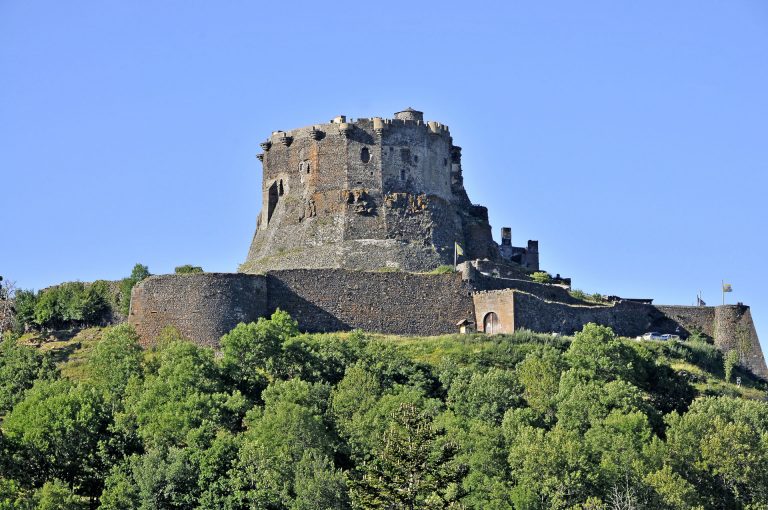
pixel 459 249
pixel 727 287
pixel 700 302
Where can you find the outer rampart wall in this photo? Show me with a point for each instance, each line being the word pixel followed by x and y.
pixel 731 326
pixel 689 319
pixel 395 303
pixel 734 329
pixel 201 306
pixel 205 306
pixel 626 318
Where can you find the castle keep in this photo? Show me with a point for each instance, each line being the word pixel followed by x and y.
pixel 354 216
pixel 368 194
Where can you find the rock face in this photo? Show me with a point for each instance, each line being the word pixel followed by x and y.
pixel 366 194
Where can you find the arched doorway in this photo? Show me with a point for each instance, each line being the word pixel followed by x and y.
pixel 491 323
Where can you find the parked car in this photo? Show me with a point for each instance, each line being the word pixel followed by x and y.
pixel 653 335
pixel 670 337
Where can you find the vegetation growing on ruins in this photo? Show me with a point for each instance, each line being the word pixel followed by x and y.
pixel 541 277
pixel 188 269
pixel 286 420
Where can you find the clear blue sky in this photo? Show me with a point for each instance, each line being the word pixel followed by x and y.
pixel 629 138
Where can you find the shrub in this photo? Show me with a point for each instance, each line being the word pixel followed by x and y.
pixel 578 294
pixel 730 362
pixel 188 269
pixel 443 270
pixel 541 277
pixel 69 304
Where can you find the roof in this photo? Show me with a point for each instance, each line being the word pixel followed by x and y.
pixel 409 109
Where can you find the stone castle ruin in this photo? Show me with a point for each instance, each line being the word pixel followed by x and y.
pixel 369 194
pixel 355 214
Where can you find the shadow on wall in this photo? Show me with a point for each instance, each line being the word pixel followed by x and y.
pixel 311 318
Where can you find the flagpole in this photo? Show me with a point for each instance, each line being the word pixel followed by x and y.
pixel 722 288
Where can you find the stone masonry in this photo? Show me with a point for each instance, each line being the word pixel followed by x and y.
pixel 368 194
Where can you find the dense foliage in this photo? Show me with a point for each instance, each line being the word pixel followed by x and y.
pixel 188 269
pixel 74 304
pixel 281 420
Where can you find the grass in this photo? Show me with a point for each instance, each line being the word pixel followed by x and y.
pixel 698 362
pixel 68 350
pixel 444 269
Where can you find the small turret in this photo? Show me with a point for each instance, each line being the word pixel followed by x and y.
pixel 410 114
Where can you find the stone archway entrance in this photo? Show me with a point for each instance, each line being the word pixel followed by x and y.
pixel 491 323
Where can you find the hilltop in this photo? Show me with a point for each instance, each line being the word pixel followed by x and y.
pixel 280 419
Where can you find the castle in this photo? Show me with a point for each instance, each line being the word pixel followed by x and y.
pixel 370 194
pixel 355 215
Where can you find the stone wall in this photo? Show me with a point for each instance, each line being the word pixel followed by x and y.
pixel 685 320
pixel 731 327
pixel 626 318
pixel 734 329
pixel 202 306
pixel 395 303
pixel 205 306
pixel 473 273
pixel 499 302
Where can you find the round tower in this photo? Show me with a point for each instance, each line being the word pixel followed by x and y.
pixel 410 114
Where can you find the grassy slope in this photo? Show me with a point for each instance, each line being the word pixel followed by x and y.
pixel 700 363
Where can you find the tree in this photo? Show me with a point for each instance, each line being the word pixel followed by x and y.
pixel 541 277
pixel 597 353
pixel 184 390
pixel 318 485
pixel 539 374
pixel 721 447
pixel 60 428
pixel 7 298
pixel 55 495
pixel 412 468
pixel 138 273
pixel 549 469
pixel 115 359
pixel 485 395
pixel 252 353
pixel 15 497
pixel 48 309
pixel 288 428
pixel 24 304
pixel 20 367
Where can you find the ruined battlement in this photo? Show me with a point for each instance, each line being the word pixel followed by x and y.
pixel 365 194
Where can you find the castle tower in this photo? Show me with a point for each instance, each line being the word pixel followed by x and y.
pixel 365 194
pixel 410 114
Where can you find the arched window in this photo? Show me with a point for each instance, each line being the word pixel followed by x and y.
pixel 491 323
